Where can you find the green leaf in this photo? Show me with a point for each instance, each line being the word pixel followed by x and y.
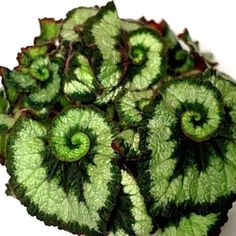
pixel 76 196
pixel 80 84
pixel 195 224
pixel 147 54
pixel 47 91
pixel 131 106
pixel 190 156
pixel 6 122
pixel 100 34
pixel 131 217
pixel 41 87
pixel 179 59
pixel 75 18
pixel 50 29
pixel 39 68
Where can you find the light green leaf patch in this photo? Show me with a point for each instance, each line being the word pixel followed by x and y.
pixel 6 122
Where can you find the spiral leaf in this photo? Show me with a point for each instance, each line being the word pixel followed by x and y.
pixel 201 113
pixel 183 61
pixel 70 194
pixel 39 68
pixel 70 143
pixel 131 106
pixel 40 86
pixel 45 93
pixel 188 161
pixel 147 54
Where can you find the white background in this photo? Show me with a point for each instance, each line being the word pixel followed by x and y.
pixel 212 22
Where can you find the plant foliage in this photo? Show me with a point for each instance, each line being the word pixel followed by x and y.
pixel 119 127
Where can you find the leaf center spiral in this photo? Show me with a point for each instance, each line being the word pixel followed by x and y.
pixel 138 55
pixel 39 68
pixel 82 141
pixel 200 125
